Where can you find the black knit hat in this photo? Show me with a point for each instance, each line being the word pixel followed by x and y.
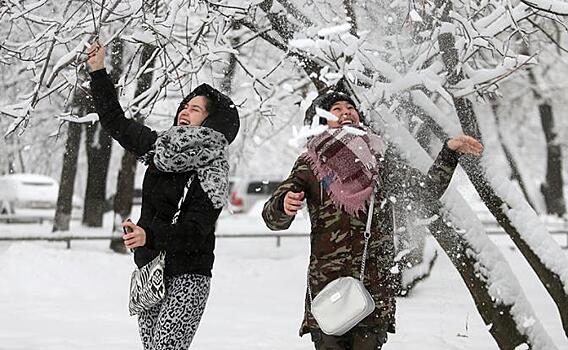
pixel 325 101
pixel 222 112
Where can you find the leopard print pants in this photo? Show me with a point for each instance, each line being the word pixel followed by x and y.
pixel 172 323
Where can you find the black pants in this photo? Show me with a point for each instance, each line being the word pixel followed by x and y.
pixel 359 338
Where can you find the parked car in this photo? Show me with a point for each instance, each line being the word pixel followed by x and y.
pixel 245 192
pixel 23 192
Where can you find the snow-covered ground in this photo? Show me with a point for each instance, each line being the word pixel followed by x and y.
pixel 54 298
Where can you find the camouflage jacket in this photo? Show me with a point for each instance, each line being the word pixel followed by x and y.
pixel 337 240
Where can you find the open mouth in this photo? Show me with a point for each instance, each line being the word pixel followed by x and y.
pixel 183 122
pixel 346 121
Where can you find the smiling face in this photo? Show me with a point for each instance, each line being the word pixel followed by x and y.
pixel 194 113
pixel 345 113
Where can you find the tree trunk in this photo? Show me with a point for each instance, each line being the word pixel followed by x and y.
pixel 98 146
pixel 64 206
pixel 553 188
pixel 494 203
pixel 493 312
pixel 67 179
pixel 417 265
pixel 515 169
pixel 348 5
pixel 122 204
pixel 227 81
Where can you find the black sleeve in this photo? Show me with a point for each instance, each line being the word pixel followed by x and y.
pixel 133 136
pixel 195 224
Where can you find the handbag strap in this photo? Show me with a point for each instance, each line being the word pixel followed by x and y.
pixel 367 235
pixel 176 215
pixel 182 199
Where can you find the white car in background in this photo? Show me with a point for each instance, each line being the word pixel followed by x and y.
pixel 246 192
pixel 29 194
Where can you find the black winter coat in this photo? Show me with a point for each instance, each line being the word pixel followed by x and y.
pixel 189 244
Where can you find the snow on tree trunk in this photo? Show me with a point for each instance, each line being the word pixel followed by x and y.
pixel 510 209
pixel 489 279
pixel 516 171
pixel 67 180
pixel 415 261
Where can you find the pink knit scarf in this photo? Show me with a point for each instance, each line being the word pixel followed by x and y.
pixel 346 161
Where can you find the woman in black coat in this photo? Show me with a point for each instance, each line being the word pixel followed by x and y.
pixel 185 187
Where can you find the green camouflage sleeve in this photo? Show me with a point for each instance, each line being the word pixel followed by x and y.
pixel 441 172
pixel 273 213
pixel 405 181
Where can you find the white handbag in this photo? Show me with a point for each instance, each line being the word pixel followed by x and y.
pixel 345 301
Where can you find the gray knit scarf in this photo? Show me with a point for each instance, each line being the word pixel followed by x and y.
pixel 194 148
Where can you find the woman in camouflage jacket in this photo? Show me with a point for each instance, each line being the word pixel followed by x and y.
pixel 337 236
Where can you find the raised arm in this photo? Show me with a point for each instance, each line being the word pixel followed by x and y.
pixel 440 173
pixel 404 181
pixel 133 136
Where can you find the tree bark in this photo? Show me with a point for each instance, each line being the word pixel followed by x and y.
pixel 122 204
pixel 553 188
pixel 350 14
pixel 64 205
pixel 227 81
pixel 98 146
pixel 67 179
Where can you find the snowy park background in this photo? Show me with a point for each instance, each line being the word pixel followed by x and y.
pixel 421 71
pixel 54 298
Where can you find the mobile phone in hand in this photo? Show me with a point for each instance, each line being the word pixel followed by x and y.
pixel 127 229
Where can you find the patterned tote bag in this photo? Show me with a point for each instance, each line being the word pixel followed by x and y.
pixel 147 286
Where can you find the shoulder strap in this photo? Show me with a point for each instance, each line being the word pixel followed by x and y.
pixel 182 199
pixel 367 238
